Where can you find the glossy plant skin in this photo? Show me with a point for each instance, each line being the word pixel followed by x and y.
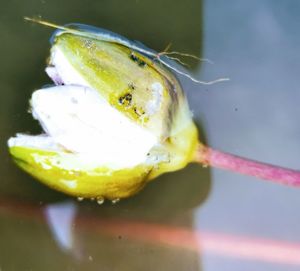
pixel 48 167
pixel 117 72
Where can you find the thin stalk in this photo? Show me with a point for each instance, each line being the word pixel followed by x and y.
pixel 210 157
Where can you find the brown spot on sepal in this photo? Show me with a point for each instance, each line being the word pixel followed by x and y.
pixel 126 99
pixel 137 60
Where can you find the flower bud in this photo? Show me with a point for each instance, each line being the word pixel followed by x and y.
pixel 114 119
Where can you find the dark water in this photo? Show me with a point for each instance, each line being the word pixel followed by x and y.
pixel 195 219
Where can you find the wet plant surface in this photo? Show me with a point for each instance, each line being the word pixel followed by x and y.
pixel 194 219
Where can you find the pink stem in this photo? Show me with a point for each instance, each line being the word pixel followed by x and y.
pixel 218 159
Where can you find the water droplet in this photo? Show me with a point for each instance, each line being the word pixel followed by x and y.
pixel 100 200
pixel 114 201
pixel 80 198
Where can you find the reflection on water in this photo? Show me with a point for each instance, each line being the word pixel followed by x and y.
pixel 60 218
pixel 180 221
pixel 134 234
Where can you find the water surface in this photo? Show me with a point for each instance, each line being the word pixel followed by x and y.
pixel 195 219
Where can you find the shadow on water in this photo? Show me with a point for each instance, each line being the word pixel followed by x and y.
pixel 168 201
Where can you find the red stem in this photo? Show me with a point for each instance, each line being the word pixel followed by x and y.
pixel 218 159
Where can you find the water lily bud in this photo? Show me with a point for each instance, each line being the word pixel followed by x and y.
pixel 114 119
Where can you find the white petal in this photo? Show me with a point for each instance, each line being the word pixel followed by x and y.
pixel 80 120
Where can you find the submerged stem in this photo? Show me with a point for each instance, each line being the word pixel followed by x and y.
pixel 218 159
